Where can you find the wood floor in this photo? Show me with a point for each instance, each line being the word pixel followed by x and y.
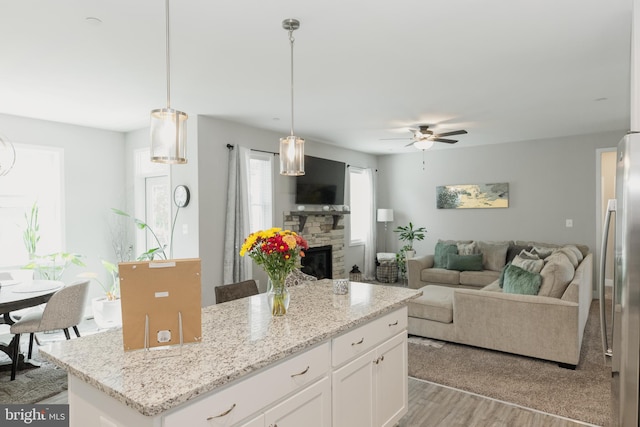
pixel 432 405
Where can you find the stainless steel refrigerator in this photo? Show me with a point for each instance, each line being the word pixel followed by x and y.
pixel 623 346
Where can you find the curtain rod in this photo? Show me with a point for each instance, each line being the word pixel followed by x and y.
pixel 230 147
pixel 348 166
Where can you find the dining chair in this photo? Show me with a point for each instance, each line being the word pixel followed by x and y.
pixel 63 311
pixel 233 291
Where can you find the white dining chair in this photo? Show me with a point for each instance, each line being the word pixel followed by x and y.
pixel 63 311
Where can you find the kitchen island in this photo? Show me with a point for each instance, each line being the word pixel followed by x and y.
pixel 326 363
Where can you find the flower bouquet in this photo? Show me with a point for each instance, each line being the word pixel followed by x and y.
pixel 278 252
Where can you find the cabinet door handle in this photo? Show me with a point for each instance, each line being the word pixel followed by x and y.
pixel 222 414
pixel 393 324
pixel 359 342
pixel 378 360
pixel 300 373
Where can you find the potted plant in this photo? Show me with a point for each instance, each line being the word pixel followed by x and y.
pixel 159 251
pixel 53 266
pixel 107 311
pixel 409 234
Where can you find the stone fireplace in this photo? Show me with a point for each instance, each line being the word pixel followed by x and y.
pixel 321 229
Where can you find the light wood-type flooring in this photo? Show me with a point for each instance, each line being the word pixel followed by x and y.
pixel 432 405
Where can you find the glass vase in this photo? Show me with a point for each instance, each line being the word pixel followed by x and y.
pixel 278 296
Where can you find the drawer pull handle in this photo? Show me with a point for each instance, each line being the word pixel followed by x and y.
pixel 300 373
pixel 393 324
pixel 359 342
pixel 222 414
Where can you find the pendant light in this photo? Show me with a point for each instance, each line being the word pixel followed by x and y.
pixel 7 156
pixel 291 147
pixel 168 126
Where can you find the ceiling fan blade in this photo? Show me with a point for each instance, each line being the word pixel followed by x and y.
pixel 455 132
pixel 448 141
pixel 393 139
pixel 409 144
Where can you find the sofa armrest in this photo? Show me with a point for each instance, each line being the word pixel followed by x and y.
pixel 415 266
pixel 580 290
pixel 542 327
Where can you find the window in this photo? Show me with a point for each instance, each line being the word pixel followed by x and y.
pixel 360 200
pixel 153 201
pixel 260 191
pixel 37 177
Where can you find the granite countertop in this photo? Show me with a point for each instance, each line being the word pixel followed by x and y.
pixel 238 337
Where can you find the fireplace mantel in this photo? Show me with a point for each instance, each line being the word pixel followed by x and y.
pixel 305 214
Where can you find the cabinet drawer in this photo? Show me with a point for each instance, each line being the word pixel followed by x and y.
pixel 248 396
pixel 357 341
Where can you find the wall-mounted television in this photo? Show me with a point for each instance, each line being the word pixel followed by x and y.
pixel 322 183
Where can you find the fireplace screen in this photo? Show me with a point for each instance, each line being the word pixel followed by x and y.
pixel 317 262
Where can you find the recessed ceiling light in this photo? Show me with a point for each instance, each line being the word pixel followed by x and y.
pixel 92 20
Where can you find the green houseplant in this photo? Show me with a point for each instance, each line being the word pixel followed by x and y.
pixel 107 310
pixel 158 251
pixel 410 234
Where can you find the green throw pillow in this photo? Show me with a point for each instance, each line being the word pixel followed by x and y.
pixel 520 281
pixel 464 262
pixel 441 252
pixel 501 278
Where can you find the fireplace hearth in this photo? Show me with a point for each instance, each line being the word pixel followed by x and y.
pixel 317 262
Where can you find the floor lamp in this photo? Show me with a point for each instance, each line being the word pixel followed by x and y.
pixel 386 216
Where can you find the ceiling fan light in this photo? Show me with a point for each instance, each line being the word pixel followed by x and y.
pixel 423 144
pixel 291 156
pixel 168 136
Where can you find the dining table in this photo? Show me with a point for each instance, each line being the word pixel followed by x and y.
pixel 17 295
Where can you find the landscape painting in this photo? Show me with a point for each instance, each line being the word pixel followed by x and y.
pixel 470 196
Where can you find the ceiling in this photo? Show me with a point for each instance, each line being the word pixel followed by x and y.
pixel 504 70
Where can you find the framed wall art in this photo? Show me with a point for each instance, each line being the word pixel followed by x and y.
pixel 473 196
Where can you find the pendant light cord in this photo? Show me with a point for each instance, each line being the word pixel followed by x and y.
pixel 168 57
pixel 291 40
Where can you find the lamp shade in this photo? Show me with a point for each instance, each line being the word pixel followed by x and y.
pixel 291 156
pixel 423 144
pixel 168 136
pixel 385 215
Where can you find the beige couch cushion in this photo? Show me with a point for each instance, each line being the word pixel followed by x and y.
pixel 556 275
pixel 440 275
pixel 435 303
pixel 494 254
pixel 478 278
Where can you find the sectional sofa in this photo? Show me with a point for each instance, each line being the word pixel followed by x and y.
pixel 479 306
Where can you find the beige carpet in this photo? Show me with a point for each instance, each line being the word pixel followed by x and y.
pixel 582 394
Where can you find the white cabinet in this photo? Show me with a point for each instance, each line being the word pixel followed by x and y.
pixel 310 408
pixel 391 384
pixel 372 389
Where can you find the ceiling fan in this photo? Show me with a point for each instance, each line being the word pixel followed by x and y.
pixel 423 137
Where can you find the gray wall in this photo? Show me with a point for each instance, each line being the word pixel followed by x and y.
pixel 549 181
pixel 213 136
pixel 94 177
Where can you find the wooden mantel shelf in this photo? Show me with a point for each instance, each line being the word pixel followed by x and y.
pixel 305 214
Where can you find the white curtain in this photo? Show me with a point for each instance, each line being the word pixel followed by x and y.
pixel 370 237
pixel 237 268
